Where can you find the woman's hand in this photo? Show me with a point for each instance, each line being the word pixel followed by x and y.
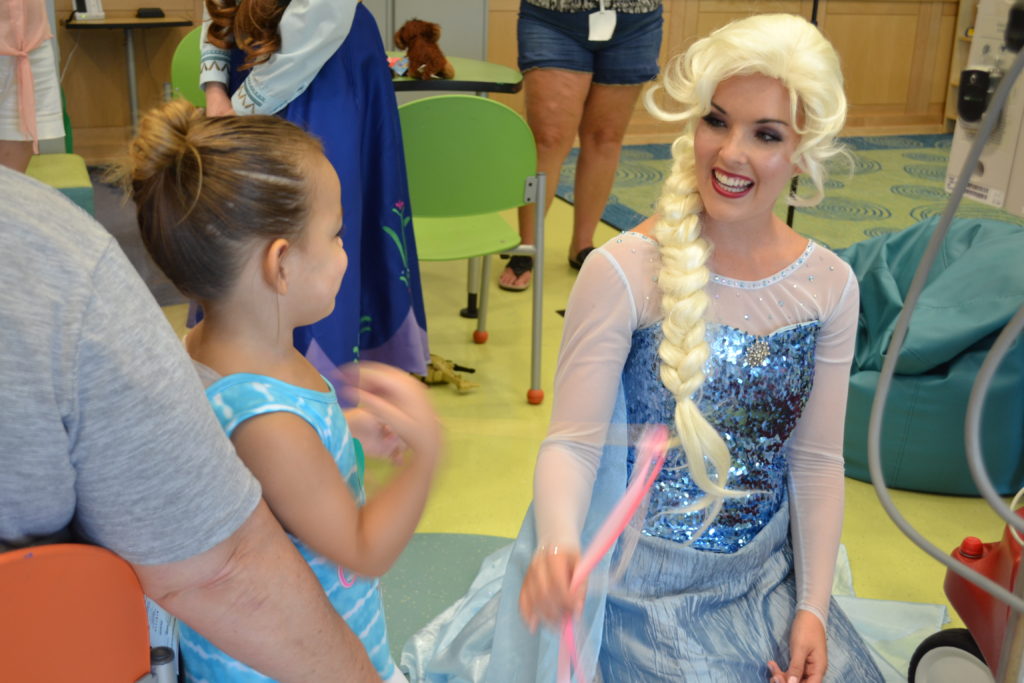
pixel 808 657
pixel 545 592
pixel 217 101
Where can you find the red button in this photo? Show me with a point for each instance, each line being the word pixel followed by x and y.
pixel 972 548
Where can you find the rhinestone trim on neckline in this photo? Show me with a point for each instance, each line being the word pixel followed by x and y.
pixel 771 279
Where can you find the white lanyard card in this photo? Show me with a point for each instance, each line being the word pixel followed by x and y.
pixel 602 24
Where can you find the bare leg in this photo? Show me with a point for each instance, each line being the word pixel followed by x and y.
pixel 554 108
pixel 606 115
pixel 15 154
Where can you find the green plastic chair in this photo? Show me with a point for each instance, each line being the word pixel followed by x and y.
pixel 185 69
pixel 469 158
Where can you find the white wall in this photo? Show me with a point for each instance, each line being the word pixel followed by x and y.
pixel 463 22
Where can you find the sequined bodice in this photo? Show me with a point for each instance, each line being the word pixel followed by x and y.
pixel 754 392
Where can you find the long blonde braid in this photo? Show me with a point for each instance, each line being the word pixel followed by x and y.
pixel 684 349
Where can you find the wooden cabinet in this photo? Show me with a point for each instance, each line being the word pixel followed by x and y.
pixel 895 55
pixel 895 60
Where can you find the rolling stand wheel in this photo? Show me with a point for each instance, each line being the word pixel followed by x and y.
pixel 949 656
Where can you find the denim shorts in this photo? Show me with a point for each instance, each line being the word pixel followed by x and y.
pixel 559 40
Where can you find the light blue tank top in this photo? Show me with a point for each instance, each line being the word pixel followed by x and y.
pixel 234 399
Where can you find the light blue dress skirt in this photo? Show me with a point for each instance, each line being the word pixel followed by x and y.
pixel 672 617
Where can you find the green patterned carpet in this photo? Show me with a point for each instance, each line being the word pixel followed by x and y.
pixel 896 181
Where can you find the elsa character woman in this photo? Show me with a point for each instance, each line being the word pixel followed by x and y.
pixel 717 319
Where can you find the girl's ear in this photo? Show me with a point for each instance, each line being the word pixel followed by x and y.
pixel 273 267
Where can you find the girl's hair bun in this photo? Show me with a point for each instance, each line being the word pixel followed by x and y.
pixel 207 188
pixel 162 140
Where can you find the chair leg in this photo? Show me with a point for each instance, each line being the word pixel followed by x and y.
pixel 536 395
pixel 480 334
pixel 472 287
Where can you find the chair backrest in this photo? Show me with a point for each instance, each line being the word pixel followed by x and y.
pixel 465 155
pixel 71 612
pixel 185 69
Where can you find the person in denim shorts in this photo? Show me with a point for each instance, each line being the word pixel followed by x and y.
pixel 575 85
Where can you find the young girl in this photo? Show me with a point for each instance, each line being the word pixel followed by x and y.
pixel 717 319
pixel 244 215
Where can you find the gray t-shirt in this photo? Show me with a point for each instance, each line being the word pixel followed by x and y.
pixel 103 421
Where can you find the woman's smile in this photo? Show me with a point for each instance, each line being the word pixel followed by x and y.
pixel 730 184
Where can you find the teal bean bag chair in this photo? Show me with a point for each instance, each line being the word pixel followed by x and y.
pixel 974 288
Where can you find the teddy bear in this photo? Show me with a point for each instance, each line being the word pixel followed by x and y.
pixel 419 39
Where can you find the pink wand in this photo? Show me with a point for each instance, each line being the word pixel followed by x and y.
pixel 650 456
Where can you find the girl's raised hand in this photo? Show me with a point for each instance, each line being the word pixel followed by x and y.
pixel 545 595
pixel 378 440
pixel 398 401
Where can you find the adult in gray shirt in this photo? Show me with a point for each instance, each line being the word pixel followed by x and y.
pixel 104 429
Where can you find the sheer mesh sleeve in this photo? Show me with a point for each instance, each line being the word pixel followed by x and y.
pixel 816 457
pixel 604 309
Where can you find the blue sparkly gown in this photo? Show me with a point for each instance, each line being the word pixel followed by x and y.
pixel 711 607
pixel 350 106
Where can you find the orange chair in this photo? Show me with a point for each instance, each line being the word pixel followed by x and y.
pixel 71 612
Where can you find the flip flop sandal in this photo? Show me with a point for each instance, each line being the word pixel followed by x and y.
pixel 581 256
pixel 518 265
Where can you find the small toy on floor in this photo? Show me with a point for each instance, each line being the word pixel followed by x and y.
pixel 443 371
pixel 425 59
